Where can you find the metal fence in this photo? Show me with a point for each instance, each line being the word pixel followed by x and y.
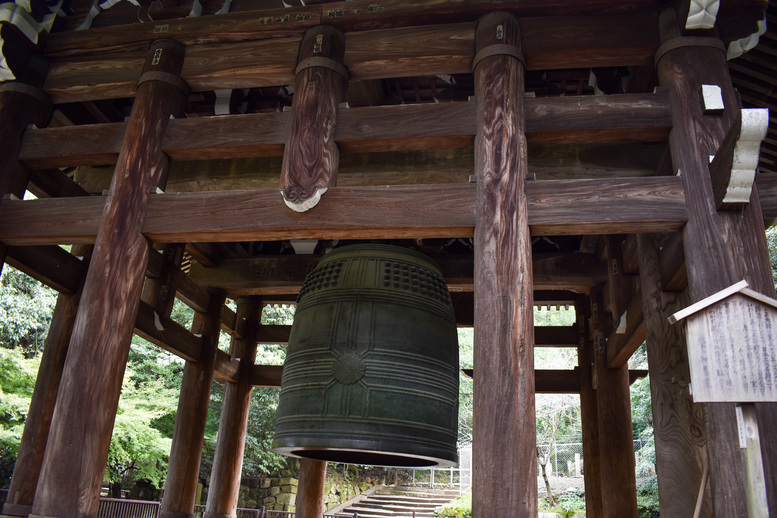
pixel 566 458
pixel 121 508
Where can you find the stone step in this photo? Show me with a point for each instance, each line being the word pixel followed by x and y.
pixel 400 502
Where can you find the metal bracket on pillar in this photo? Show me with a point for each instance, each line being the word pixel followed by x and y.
pixel 733 169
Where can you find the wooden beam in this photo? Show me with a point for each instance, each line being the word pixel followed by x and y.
pixel 245 22
pixel 504 394
pixel 189 432
pixel 616 445
pixel 50 265
pixel 32 446
pixel 227 368
pixel 678 423
pixel 620 346
pixel 721 248
pixel 233 423
pixel 20 106
pixel 589 413
pixel 561 207
pixel 266 376
pixel 276 275
pixel 671 258
pixel 311 157
pixel 551 43
pixel 106 315
pixel 373 128
pixel 172 337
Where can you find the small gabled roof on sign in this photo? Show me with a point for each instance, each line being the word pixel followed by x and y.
pixel 740 287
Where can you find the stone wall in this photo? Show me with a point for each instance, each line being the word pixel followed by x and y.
pixel 279 491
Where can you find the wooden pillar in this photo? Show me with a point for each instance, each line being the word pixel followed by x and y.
pixel 189 433
pixel 20 106
pixel 310 493
pixel 616 438
pixel 678 423
pixel 721 248
pixel 504 435
pixel 228 458
pixel 79 439
pixel 311 156
pixel 589 415
pixel 21 492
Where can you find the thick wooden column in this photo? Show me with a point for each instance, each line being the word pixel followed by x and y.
pixel 20 106
pixel 678 423
pixel 186 452
pixel 310 493
pixel 504 436
pixel 311 156
pixel 721 248
pixel 616 437
pixel 79 439
pixel 589 414
pixel 228 459
pixel 21 492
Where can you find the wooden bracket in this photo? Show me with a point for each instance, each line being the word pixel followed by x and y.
pixel 733 169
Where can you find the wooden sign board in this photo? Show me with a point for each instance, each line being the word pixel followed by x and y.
pixel 732 346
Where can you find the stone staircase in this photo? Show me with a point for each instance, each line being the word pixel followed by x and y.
pixel 397 502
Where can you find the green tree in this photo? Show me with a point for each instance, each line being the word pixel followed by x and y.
pixel 26 307
pixel 17 379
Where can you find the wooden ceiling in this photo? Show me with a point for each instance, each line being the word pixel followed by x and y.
pixel 240 66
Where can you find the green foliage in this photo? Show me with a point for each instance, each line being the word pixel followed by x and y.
pixel 139 448
pixel 26 307
pixel 647 498
pixel 461 507
pixel 566 505
pixel 771 241
pixel 17 379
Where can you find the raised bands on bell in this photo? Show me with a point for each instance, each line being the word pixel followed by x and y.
pixel 372 369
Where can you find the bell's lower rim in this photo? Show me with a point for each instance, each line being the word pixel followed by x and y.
pixel 364 457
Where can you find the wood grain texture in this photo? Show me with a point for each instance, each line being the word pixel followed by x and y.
pixel 311 489
pixel 86 405
pixel 228 458
pixel 311 156
pixel 274 275
pixel 589 414
pixel 21 492
pixel 189 432
pixel 504 434
pixel 550 43
pixel 616 441
pixel 720 248
pixel 678 422
pixel 18 109
pixel 50 265
pixel 562 207
pixel 612 118
pixel 621 346
pixel 172 337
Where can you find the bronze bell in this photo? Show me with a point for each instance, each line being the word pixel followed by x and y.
pixel 372 368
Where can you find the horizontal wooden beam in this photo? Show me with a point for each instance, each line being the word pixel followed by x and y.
pixel 278 275
pixel 245 22
pixel 560 207
pixel 555 42
pixel 630 117
pixel 50 265
pixel 167 334
pixel 226 369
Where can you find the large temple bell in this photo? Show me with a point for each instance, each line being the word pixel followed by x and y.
pixel 372 369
